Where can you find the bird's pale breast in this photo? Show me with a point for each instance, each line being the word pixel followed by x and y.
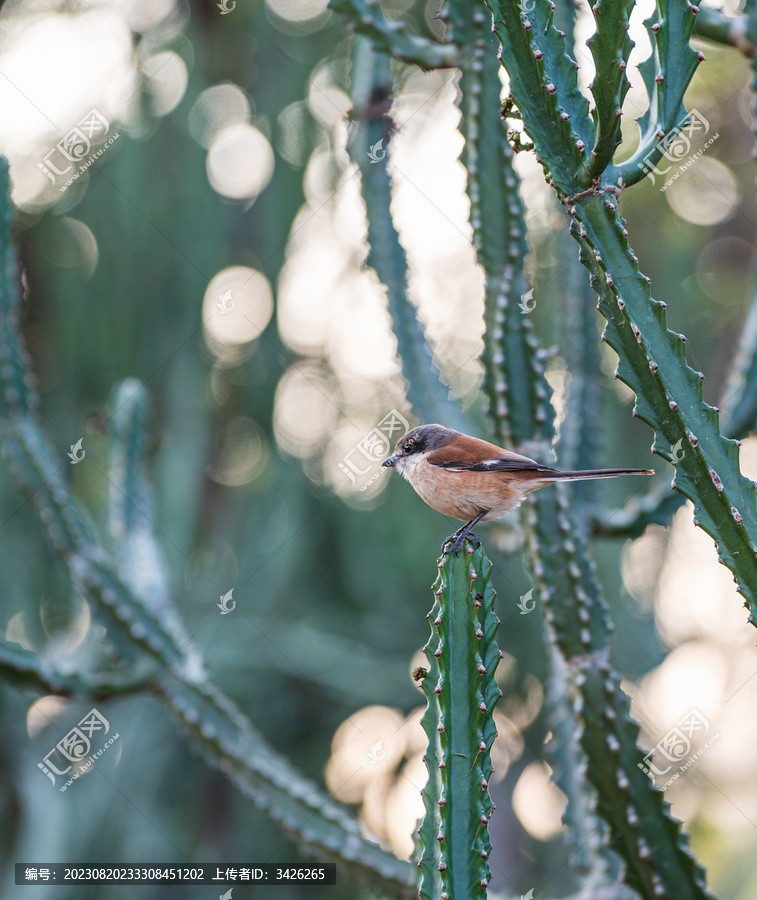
pixel 463 495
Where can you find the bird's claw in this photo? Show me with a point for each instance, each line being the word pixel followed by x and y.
pixel 455 541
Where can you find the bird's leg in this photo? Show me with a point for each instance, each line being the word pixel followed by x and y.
pixel 458 538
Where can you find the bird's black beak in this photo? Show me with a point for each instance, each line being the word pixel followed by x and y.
pixel 389 463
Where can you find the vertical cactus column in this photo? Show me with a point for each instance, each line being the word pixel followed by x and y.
pixel 371 127
pixel 461 692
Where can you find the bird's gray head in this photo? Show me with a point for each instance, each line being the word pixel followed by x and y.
pixel 418 440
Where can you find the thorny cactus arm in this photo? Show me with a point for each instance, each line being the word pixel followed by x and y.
pixel 630 520
pixel 564 576
pixel 513 369
pixel 610 47
pixel 652 362
pixel 224 735
pixel 131 506
pixel 580 444
pixel 669 393
pixel 576 613
pixel 23 668
pixel 737 31
pixel 461 691
pixel 533 52
pixel 370 128
pixel 587 833
pixel 566 585
pixel 739 397
pixel 395 36
pixel 666 74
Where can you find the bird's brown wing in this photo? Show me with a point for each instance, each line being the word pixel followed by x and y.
pixel 470 461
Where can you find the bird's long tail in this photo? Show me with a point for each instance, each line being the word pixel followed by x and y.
pixel 586 474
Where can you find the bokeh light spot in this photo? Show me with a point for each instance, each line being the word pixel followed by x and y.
pixel 217 108
pixel 705 194
pixel 538 802
pixel 166 80
pixel 242 453
pixel 237 306
pixel 304 414
pixel 240 161
pixel 297 10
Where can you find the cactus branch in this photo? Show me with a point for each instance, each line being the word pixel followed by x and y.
pixel 734 31
pixel 23 668
pixel 586 832
pixel 558 122
pixel 461 691
pixel 514 375
pixel 576 616
pixel 371 128
pixel 669 393
pixel 580 444
pixel 629 521
pixel 739 396
pixel 394 36
pixel 666 75
pixel 610 47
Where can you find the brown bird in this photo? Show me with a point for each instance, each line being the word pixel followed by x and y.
pixel 473 480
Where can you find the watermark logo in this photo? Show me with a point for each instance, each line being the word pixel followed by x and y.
pixel 377 151
pixel 676 146
pixel 677 745
pixel 676 454
pixel 227 895
pixel 528 896
pixel 225 303
pixel 224 604
pixel 227 6
pixel 527 6
pixel 75 148
pixel 75 748
pixel 365 458
pixel 523 604
pixel 376 752
pixel 527 303
pixel 75 450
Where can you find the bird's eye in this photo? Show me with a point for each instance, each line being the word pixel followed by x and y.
pixel 408 446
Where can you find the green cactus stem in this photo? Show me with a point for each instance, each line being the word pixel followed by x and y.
pixel 131 508
pixel 395 36
pixel 461 691
pixel 734 31
pixel 739 395
pixel 577 618
pixel 23 668
pixel 580 444
pixel 669 393
pixel 370 129
pixel 587 834
pixel 652 361
pixel 666 73
pixel 610 47
pixel 513 366
pixel 655 507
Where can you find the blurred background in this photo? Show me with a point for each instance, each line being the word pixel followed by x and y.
pixel 215 250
